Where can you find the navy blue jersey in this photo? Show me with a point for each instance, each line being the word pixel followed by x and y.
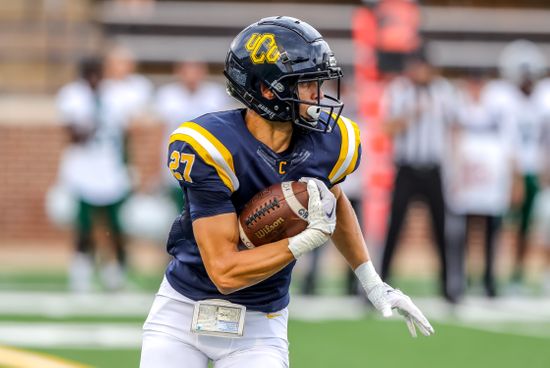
pixel 220 167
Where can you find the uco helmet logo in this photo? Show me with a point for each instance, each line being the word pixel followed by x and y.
pixel 269 55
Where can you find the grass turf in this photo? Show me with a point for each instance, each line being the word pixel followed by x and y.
pixel 342 344
pixel 372 343
pixel 387 344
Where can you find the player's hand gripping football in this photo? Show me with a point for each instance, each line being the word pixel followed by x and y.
pixel 321 206
pixel 385 298
pixel 321 219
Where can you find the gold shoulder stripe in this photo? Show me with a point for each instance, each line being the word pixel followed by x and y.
pixel 210 149
pixel 221 148
pixel 349 149
pixel 357 134
pixel 343 150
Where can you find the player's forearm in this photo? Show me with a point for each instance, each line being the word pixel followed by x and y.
pixel 231 269
pixel 242 269
pixel 348 237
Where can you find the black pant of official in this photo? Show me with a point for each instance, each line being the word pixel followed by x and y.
pixel 457 236
pixel 424 184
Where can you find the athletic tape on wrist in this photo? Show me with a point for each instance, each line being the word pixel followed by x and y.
pixel 306 241
pixel 367 275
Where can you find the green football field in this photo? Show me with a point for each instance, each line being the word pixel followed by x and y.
pixel 481 334
pixel 371 343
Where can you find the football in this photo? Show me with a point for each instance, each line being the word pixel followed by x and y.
pixel 277 212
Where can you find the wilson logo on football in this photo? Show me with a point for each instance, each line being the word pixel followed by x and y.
pixel 269 228
pixel 270 54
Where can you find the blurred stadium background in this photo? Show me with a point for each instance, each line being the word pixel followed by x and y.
pixel 44 324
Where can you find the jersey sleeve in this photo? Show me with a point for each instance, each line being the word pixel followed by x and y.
pixel 204 167
pixel 349 154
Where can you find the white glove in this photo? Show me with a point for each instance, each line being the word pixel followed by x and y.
pixel 321 219
pixel 385 298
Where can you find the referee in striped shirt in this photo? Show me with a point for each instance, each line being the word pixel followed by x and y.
pixel 418 110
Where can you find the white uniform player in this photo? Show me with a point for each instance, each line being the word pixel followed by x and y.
pixel 521 65
pixel 482 163
pixel 542 201
pixel 94 169
pixel 479 173
pixel 191 95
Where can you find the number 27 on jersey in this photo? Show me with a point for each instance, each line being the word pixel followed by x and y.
pixel 177 158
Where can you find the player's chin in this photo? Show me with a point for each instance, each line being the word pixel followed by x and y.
pixel 309 119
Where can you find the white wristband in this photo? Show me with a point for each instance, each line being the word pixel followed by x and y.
pixel 367 275
pixel 306 241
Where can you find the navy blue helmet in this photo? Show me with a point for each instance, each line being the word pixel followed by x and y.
pixel 280 52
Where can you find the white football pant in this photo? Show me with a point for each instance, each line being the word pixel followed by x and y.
pixel 169 343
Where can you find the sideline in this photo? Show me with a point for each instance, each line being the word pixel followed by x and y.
pixel 118 336
pixel 508 315
pixel 17 358
pixel 71 335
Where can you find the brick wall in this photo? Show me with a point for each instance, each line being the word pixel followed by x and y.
pixel 29 156
pixel 28 162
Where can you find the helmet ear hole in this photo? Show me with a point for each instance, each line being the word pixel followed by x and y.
pixel 266 92
pixel 255 83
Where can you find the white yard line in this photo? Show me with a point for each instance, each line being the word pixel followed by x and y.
pixel 517 316
pixel 473 309
pixel 71 335
pixel 59 304
pixel 322 308
pixel 483 310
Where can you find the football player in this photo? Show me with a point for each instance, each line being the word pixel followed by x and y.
pixel 520 97
pixel 218 301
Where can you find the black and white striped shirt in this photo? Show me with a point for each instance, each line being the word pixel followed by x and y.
pixel 428 110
